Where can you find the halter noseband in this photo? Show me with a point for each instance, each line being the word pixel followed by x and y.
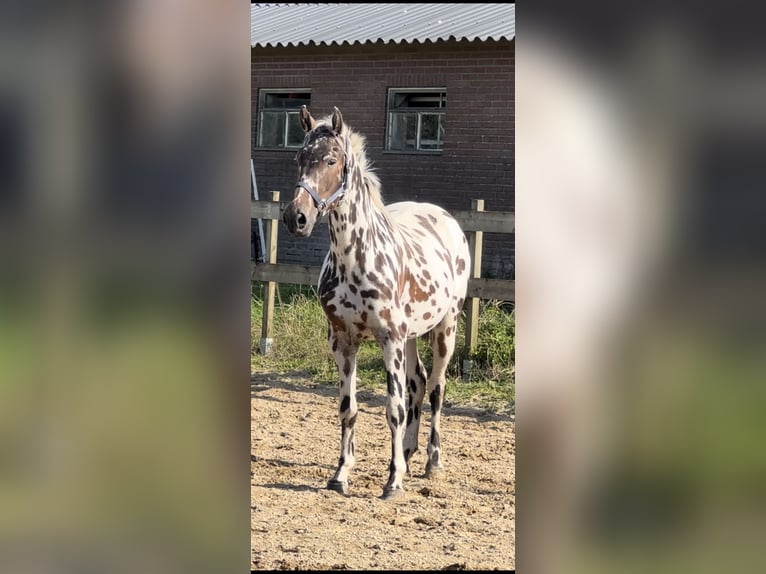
pixel 323 204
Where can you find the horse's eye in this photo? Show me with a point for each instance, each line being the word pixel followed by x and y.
pixel 330 162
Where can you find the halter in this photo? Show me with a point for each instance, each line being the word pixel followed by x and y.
pixel 323 204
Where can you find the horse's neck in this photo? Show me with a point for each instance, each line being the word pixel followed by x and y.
pixel 359 229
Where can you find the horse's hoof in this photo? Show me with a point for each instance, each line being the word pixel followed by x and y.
pixel 338 486
pixel 433 470
pixel 392 493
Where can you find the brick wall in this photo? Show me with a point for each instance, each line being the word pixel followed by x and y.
pixel 478 157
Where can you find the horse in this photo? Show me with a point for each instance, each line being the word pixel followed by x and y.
pixel 393 273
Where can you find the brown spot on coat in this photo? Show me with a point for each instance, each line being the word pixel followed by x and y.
pixel 416 293
pixel 369 294
pixel 427 224
pixel 442 345
pixel 401 281
pixel 380 262
pixel 390 261
pixel 336 322
pixel 351 241
pixel 360 252
pixel 385 290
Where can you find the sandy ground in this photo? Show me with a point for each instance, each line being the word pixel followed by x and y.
pixel 464 519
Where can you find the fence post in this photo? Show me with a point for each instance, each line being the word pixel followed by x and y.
pixel 270 256
pixel 475 239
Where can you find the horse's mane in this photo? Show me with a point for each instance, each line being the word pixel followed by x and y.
pixel 359 152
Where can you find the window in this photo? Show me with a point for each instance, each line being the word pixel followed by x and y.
pixel 416 119
pixel 279 122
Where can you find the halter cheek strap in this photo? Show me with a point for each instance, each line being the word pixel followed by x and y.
pixel 323 204
pixel 320 203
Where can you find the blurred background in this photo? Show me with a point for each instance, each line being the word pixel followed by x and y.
pixel 124 286
pixel 640 274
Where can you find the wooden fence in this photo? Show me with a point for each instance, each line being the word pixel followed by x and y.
pixel 475 223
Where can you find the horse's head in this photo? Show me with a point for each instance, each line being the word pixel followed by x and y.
pixel 323 163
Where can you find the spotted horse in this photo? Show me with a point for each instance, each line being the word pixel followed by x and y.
pixel 393 273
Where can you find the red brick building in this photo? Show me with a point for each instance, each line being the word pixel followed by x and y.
pixel 431 86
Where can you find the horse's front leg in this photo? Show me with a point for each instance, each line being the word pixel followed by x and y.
pixel 345 357
pixel 393 355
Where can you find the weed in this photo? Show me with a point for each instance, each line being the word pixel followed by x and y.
pixel 300 344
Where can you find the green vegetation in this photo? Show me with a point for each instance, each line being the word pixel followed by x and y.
pixel 300 344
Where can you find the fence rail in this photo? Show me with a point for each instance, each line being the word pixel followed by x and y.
pixel 474 223
pixel 479 287
pixel 486 221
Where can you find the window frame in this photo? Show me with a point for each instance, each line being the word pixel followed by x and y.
pixel 262 93
pixel 420 111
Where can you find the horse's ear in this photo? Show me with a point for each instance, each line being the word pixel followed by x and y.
pixel 337 121
pixel 307 122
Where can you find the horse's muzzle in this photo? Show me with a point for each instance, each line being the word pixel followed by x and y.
pixel 298 222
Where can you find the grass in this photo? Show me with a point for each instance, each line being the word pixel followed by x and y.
pixel 300 344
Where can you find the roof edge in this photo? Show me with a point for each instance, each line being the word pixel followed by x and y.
pixel 382 42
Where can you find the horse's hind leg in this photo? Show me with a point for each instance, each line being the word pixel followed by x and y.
pixel 443 343
pixel 416 389
pixel 345 358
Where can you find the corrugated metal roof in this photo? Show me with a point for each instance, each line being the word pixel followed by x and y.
pixel 305 24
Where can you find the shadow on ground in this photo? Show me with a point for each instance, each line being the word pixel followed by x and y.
pixel 300 381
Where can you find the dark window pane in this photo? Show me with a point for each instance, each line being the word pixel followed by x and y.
pixel 286 100
pixel 403 100
pixel 403 131
pixel 430 131
pixel 272 129
pixel 397 100
pixel 295 132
